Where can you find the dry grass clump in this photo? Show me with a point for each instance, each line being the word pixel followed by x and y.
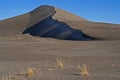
pixel 8 78
pixel 30 72
pixel 83 70
pixel 60 62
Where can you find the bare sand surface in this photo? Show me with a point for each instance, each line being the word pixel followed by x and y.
pixel 19 52
pixel 102 57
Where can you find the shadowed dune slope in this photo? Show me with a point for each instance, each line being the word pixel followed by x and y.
pixel 56 29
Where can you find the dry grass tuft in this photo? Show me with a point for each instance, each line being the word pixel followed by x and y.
pixel 30 72
pixel 60 62
pixel 8 78
pixel 83 70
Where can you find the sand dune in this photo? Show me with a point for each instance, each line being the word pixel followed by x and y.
pixel 21 51
pixel 39 22
pixel 17 25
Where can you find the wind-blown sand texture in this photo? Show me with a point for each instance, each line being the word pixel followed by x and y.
pixel 20 51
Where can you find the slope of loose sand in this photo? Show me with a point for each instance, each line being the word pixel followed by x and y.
pixel 19 52
pixel 64 15
pixel 16 25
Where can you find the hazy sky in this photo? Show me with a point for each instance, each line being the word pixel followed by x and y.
pixel 94 10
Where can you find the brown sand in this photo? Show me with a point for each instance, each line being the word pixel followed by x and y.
pixel 19 52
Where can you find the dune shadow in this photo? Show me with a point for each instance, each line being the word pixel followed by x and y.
pixel 51 28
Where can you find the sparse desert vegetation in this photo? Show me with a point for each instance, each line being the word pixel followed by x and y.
pixel 37 72
pixel 83 70
pixel 60 62
pixel 30 72
pixel 8 78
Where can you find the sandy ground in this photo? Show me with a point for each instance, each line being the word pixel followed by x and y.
pixel 18 53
